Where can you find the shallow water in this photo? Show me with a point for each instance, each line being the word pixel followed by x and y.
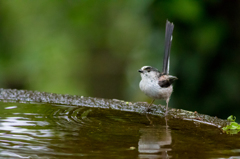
pixel 54 131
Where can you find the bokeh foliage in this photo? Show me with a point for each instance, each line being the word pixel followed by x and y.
pixel 94 48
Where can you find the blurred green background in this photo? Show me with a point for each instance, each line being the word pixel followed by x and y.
pixel 94 48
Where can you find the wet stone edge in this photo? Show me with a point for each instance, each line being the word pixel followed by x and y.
pixel 26 96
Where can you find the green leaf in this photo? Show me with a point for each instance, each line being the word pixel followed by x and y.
pixel 231 118
pixel 233 128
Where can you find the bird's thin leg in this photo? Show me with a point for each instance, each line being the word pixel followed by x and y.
pixel 148 108
pixel 166 107
pixel 150 104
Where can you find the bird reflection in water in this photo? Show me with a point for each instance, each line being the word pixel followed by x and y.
pixel 153 142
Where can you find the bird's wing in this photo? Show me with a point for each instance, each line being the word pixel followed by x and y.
pixel 168 42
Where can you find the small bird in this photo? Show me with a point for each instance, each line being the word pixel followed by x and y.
pixel 156 84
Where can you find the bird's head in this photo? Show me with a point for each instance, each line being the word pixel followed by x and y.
pixel 149 72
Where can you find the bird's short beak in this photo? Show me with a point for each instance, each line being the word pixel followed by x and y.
pixel 141 71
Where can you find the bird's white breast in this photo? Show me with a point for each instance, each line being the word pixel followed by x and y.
pixel 152 89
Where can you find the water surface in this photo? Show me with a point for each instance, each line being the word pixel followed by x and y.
pixel 58 131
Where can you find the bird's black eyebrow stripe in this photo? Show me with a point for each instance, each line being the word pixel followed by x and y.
pixel 151 69
pixel 147 68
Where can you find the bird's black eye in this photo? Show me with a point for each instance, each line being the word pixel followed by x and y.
pixel 148 70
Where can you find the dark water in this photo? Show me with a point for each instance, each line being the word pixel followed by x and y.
pixel 51 131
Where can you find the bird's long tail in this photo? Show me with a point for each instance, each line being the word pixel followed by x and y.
pixel 168 42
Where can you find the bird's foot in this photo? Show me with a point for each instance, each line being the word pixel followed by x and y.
pixel 148 109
